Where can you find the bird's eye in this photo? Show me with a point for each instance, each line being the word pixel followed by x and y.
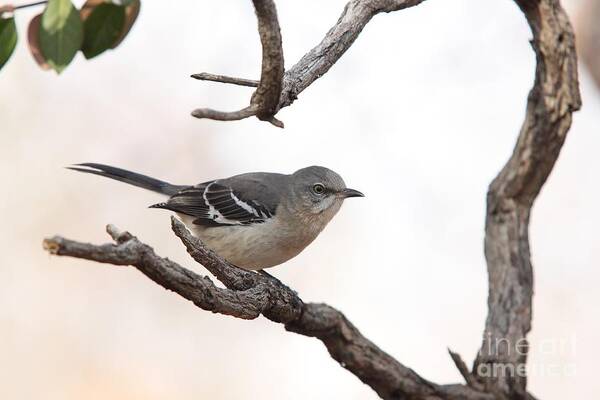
pixel 318 188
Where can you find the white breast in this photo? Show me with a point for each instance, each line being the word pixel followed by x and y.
pixel 254 246
pixel 264 245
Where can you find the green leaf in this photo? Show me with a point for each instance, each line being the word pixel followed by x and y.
pixel 8 39
pixel 132 10
pixel 102 28
pixel 61 33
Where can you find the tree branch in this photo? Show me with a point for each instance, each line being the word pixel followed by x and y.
pixel 552 100
pixel 12 8
pixel 205 76
pixel 315 63
pixel 266 96
pixel 248 295
pixel 224 115
pixel 264 101
pixel 130 251
pixel 464 370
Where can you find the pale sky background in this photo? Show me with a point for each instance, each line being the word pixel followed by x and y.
pixel 420 115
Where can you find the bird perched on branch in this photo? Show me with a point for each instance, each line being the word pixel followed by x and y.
pixel 255 220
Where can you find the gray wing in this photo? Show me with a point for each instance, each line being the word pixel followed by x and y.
pixel 241 200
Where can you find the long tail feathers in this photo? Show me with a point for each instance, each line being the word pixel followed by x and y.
pixel 129 177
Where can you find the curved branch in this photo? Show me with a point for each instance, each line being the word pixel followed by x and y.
pixel 552 100
pixel 265 99
pixel 266 96
pixel 248 295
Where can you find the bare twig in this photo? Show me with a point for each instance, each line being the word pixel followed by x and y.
pixel 12 8
pixel 464 370
pixel 224 115
pixel 205 76
pixel 264 101
pixel 9 8
pixel 37 3
pixel 552 100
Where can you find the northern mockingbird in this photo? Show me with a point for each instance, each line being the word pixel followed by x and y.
pixel 255 220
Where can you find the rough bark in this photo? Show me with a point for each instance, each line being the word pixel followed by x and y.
pixel 338 39
pixel 552 100
pixel 248 295
pixel 318 60
pixel 264 101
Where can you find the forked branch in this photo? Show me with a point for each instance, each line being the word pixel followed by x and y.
pixel 318 60
pixel 265 99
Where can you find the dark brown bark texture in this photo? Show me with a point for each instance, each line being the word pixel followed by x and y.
pixel 264 101
pixel 552 100
pixel 247 295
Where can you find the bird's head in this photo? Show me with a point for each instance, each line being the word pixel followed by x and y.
pixel 319 190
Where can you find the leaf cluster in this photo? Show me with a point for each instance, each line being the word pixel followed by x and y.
pixel 61 30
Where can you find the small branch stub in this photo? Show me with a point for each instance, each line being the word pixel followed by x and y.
pixel 205 76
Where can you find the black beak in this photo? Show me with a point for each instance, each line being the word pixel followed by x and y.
pixel 350 193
